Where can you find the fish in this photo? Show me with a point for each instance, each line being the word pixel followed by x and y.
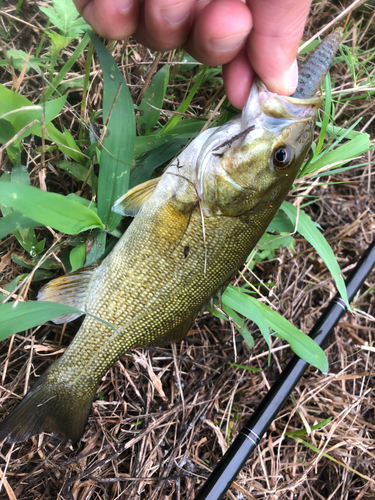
pixel 193 228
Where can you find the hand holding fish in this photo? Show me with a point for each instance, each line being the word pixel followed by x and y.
pixel 253 37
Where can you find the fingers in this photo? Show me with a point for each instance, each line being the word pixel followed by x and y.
pixel 238 78
pixel 165 24
pixel 113 19
pixel 214 32
pixel 220 30
pixel 157 24
pixel 273 43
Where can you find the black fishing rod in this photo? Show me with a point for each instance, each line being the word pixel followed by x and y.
pixel 248 438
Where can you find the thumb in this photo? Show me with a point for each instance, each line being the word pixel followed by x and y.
pixel 273 43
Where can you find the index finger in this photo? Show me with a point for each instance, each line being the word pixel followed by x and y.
pixel 113 19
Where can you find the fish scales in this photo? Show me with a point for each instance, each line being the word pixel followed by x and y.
pixel 193 228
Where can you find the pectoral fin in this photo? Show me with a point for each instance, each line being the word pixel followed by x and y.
pixel 132 201
pixel 71 289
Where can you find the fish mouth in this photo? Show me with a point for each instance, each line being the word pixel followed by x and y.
pixel 267 110
pixel 286 107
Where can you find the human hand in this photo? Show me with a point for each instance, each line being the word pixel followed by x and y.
pixel 247 37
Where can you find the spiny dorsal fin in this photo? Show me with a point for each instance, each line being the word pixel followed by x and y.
pixel 131 202
pixel 71 290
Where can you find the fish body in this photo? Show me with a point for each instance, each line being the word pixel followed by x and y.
pixel 193 229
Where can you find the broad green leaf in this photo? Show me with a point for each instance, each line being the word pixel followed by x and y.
pixel 19 112
pixel 300 343
pixel 186 129
pixel 65 16
pixel 10 287
pixel 238 322
pixel 312 234
pixel 7 131
pixel 336 131
pixel 79 172
pixel 20 175
pixel 238 301
pixel 58 41
pixel 49 209
pixel 153 101
pixel 241 328
pixel 17 317
pixel 78 257
pixel 15 221
pixel 118 144
pixel 97 244
pixel 18 60
pixel 274 241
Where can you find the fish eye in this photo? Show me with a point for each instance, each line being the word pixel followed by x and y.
pixel 282 156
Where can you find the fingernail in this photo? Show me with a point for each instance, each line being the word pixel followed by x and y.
pixel 284 84
pixel 177 13
pixel 123 6
pixel 228 43
pixel 292 77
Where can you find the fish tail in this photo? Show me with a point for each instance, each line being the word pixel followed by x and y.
pixel 316 66
pixel 47 408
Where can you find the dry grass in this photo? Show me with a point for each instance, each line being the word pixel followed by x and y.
pixel 184 404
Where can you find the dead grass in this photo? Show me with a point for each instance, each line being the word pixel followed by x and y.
pixel 168 415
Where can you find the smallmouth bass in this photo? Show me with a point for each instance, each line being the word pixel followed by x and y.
pixel 193 229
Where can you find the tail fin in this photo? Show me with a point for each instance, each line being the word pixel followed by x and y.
pixel 45 408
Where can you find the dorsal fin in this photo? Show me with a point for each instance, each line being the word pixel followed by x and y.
pixel 131 202
pixel 71 289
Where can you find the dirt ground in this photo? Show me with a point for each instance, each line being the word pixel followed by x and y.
pixel 166 416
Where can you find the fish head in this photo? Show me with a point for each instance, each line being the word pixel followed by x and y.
pixel 255 158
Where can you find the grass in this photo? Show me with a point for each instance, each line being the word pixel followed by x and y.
pixel 56 134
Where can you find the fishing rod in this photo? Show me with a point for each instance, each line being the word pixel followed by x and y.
pixel 248 438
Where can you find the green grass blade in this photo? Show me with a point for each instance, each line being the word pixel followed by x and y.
pixel 118 144
pixel 65 143
pixel 245 367
pixel 312 234
pixel 351 149
pixel 153 101
pixel 326 114
pixel 67 67
pixel 240 326
pixel 49 209
pixel 176 118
